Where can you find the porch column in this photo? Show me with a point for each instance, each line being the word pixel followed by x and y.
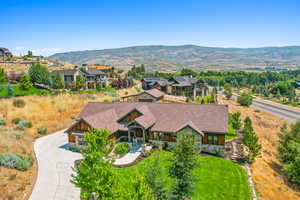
pixel 128 135
pixel 144 136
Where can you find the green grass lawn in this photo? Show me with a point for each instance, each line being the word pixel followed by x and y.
pixel 218 179
pixel 18 92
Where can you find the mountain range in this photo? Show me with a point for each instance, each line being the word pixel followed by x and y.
pixel 173 58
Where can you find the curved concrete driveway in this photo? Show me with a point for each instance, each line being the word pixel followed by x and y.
pixel 54 169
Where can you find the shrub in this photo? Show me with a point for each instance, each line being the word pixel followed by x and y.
pixel 23 124
pixel 9 160
pixel 42 130
pixel 16 120
pixel 2 122
pixel 245 99
pixel 14 161
pixel 19 103
pixel 24 164
pixel 121 149
pixel 17 135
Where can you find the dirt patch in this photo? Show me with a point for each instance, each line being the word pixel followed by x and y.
pixel 269 182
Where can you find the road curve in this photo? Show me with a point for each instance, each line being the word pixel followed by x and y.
pixel 287 112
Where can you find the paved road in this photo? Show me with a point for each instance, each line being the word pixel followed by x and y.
pixel 287 112
pixel 54 169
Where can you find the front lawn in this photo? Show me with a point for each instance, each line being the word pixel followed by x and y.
pixel 217 178
pixel 18 92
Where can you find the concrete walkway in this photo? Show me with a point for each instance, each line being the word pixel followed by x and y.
pixel 130 157
pixel 54 169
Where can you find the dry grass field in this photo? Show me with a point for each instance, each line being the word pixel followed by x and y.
pixel 53 112
pixel 269 182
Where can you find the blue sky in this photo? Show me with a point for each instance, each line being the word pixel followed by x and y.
pixel 51 26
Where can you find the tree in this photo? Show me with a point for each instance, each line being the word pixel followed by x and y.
pixel 236 120
pixel 39 74
pixel 245 99
pixel 183 163
pixel 289 152
pixel 57 82
pixel 141 190
pixel 3 76
pixel 227 91
pixel 29 54
pixel 10 91
pixel 250 139
pixel 25 83
pixel 94 174
pixel 80 82
pixel 154 178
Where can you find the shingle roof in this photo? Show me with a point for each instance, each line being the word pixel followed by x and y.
pixel 67 72
pixel 155 93
pixel 163 117
pixel 92 71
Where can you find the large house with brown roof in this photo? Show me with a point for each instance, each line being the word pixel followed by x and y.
pixel 143 122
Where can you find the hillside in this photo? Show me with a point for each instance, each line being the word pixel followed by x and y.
pixel 172 58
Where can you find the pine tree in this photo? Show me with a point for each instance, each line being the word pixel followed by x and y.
pixel 25 83
pixel 154 178
pixel 3 76
pixel 183 163
pixel 250 139
pixel 236 120
pixel 58 82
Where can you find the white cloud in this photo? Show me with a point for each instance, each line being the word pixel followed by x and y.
pixel 37 52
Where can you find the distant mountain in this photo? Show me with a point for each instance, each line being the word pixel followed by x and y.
pixel 172 58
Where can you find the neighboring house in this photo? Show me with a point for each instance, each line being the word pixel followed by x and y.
pixel 140 122
pixel 148 83
pixel 68 75
pixel 152 95
pixel 188 86
pixel 178 86
pixel 4 54
pixel 92 76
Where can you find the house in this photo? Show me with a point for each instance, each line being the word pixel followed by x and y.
pixel 91 75
pixel 178 86
pixel 143 122
pixel 69 75
pixel 4 54
pixel 152 95
pixel 188 86
pixel 148 83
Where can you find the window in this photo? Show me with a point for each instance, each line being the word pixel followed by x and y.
pixel 81 141
pixel 213 139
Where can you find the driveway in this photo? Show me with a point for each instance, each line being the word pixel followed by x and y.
pixel 54 169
